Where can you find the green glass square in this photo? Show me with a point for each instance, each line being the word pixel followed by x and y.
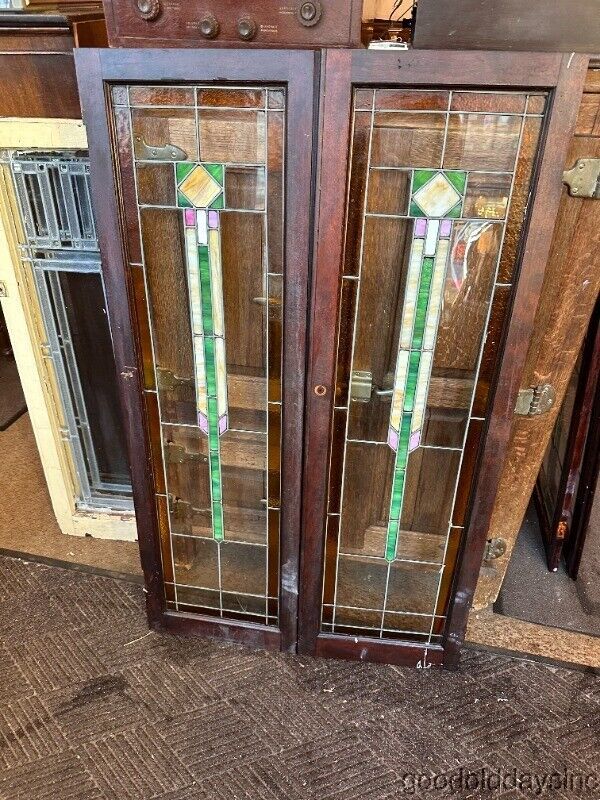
pixel 456 211
pixel 216 170
pixel 218 202
pixel 182 170
pixel 415 211
pixel 421 177
pixel 182 201
pixel 458 179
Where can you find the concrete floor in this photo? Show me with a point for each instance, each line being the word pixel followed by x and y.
pixel 532 593
pixel 94 707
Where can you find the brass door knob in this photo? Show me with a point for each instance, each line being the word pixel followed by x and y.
pixel 148 9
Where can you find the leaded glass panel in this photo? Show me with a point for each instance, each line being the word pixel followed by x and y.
pixel 205 222
pixel 438 186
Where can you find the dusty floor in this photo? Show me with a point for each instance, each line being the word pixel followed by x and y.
pixel 27 522
pixel 532 593
pixel 93 707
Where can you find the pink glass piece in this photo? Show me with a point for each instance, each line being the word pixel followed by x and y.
pixel 190 217
pixel 420 227
pixel 223 424
pixel 203 423
pixel 213 219
pixel 445 228
pixel 415 440
pixel 393 439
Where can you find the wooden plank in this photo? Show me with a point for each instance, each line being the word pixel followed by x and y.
pixel 537 25
pixel 38 85
pixel 571 285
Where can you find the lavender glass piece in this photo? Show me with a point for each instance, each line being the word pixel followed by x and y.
pixel 445 228
pixel 213 219
pixel 415 441
pixel 420 227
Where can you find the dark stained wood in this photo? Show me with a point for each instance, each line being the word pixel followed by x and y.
pixel 246 633
pixel 487 69
pixel 342 70
pixel 38 85
pixel 537 25
pixel 533 257
pixel 385 652
pixel 571 286
pixel 588 473
pixel 573 499
pixel 295 70
pixel 178 24
pixel 334 146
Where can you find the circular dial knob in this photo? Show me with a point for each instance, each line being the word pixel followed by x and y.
pixel 246 28
pixel 309 13
pixel 209 27
pixel 149 9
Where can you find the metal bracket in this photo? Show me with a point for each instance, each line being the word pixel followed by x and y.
pixel 361 386
pixel 168 381
pixel 167 152
pixel 583 179
pixel 494 549
pixel 535 401
pixel 176 454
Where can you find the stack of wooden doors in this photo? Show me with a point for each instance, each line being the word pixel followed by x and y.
pixel 322 271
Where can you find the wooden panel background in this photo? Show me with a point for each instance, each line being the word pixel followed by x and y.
pixel 571 285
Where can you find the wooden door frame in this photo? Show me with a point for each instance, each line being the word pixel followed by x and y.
pixel 563 528
pixel 296 70
pixel 563 77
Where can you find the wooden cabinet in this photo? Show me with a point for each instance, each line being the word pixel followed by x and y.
pixel 345 514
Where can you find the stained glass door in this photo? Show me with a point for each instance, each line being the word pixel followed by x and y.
pixel 216 242
pixel 412 389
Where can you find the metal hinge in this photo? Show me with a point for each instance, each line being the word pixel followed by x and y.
pixel 65 434
pixel 536 400
pixel 3 289
pixel 167 152
pixel 46 350
pixel 494 548
pixel 176 454
pixel 168 381
pixel 583 179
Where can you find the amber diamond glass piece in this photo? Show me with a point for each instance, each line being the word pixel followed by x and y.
pixel 200 186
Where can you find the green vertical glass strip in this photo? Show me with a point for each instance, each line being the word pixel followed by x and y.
pixel 422 302
pixel 210 366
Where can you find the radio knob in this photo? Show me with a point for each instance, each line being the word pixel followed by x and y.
pixel 149 9
pixel 209 27
pixel 309 13
pixel 246 28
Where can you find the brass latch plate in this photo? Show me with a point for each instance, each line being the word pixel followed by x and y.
pixel 583 179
